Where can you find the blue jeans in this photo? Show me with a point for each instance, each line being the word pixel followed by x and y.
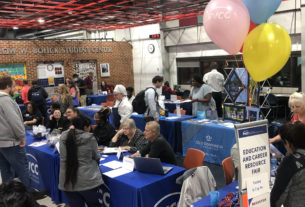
pixel 79 198
pixel 13 163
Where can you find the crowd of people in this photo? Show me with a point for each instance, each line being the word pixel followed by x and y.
pixel 80 177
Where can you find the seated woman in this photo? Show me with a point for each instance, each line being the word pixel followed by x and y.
pixel 167 91
pixel 103 131
pixel 79 176
pixel 71 113
pixel 296 104
pixel 32 115
pixel 289 186
pixel 57 121
pixel 129 137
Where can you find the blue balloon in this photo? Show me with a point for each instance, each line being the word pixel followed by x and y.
pixel 261 10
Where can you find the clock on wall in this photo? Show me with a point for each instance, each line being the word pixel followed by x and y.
pixel 50 67
pixel 151 48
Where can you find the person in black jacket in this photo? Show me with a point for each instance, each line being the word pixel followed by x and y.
pixel 57 121
pixel 32 115
pixel 103 131
pixel 38 95
pixel 157 146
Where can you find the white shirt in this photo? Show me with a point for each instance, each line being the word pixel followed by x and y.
pixel 215 80
pixel 124 108
pixel 131 99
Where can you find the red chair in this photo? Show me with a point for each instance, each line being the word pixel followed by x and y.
pixel 227 166
pixel 193 158
pixel 182 111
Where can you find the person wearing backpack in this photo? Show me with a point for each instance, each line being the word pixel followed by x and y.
pixel 38 95
pixel 151 96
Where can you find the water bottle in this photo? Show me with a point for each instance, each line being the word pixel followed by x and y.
pixel 178 109
pixel 273 165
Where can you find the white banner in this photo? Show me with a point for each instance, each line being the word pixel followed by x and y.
pixel 253 144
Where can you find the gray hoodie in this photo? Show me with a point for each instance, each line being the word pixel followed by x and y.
pixel 11 121
pixel 89 175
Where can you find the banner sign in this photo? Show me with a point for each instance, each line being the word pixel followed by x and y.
pixel 253 144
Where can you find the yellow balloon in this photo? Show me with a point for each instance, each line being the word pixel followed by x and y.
pixel 266 50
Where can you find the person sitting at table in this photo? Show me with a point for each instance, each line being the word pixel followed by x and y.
pixel 201 96
pixel 122 108
pixel 167 91
pixel 296 104
pixel 73 112
pixel 53 107
pixel 130 95
pixel 73 92
pixel 65 100
pixel 289 186
pixel 129 137
pixel 57 121
pixel 79 175
pixel 106 87
pixel 103 131
pixel 32 115
pixel 157 146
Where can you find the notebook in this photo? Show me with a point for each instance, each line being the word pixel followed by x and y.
pixel 150 165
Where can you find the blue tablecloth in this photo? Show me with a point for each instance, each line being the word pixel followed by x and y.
pixel 205 202
pixel 132 189
pixel 170 129
pixel 44 168
pixel 187 106
pixel 142 189
pixel 97 99
pixel 214 139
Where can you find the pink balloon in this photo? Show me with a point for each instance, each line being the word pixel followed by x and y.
pixel 227 23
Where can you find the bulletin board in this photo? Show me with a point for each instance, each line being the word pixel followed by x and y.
pixel 50 74
pixel 17 72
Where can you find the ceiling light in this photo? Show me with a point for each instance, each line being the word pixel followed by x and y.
pixel 15 27
pixel 40 20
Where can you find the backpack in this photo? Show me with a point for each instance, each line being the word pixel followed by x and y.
pixel 139 104
pixel 37 96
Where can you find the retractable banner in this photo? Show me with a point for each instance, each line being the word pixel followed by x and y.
pixel 253 145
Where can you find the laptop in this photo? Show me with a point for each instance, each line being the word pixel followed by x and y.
pixel 150 165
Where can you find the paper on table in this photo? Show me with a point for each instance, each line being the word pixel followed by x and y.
pixel 188 100
pixel 113 164
pixel 112 150
pixel 38 144
pixel 117 172
pixel 172 117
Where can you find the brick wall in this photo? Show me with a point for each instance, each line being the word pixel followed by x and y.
pixel 120 59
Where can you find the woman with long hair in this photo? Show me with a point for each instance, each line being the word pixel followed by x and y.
pixel 65 100
pixel 32 115
pixel 79 176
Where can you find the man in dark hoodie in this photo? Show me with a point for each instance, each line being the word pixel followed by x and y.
pixel 38 95
pixel 12 135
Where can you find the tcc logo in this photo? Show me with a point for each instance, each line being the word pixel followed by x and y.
pixel 33 166
pixel 170 200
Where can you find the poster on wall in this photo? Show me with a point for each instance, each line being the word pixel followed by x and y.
pixel 83 68
pixel 105 70
pixel 50 74
pixel 16 71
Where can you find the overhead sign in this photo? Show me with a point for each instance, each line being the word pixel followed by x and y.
pixel 253 144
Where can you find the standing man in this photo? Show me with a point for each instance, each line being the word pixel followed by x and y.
pixel 82 89
pixel 89 83
pixel 12 135
pixel 38 95
pixel 216 81
pixel 151 100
